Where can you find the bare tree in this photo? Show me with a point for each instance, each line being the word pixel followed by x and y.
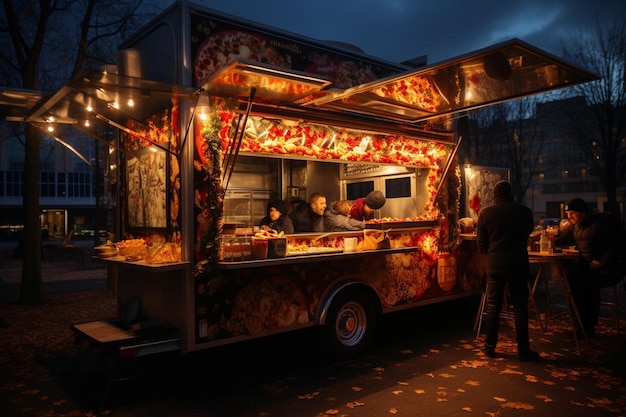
pixel 54 40
pixel 507 135
pixel 599 128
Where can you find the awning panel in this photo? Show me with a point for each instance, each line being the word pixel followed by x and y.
pixel 493 75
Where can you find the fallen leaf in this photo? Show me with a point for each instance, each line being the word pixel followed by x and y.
pixel 472 383
pixel 379 369
pixel 511 371
pixel 393 411
pixel 353 404
pixel 460 390
pixel 545 398
pixel 531 378
pixel 442 399
pixel 434 351
pixel 420 391
pixel 308 396
pixel 499 399
pixel 331 412
pixel 397 392
pixel 406 351
pixel 468 409
pixel 356 389
pixel 402 383
pixel 518 406
pixel 430 375
pixel 447 375
pixel 600 401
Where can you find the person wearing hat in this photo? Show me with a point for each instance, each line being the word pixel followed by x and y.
pixel 363 208
pixel 502 234
pixel 277 218
pixel 596 238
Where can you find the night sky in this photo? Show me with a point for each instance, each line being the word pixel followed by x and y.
pixel 398 30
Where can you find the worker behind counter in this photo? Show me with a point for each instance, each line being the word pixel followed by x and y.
pixel 363 208
pixel 337 218
pixel 277 218
pixel 309 217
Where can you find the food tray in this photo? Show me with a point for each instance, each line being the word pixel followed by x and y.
pixel 400 225
pixel 315 251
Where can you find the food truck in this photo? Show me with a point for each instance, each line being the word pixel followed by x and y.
pixel 214 116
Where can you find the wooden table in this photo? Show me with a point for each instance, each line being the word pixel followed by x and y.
pixel 545 263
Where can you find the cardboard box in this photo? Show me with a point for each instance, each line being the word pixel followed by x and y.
pixel 277 247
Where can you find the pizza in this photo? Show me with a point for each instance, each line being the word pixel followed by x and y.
pixel 221 48
pixel 415 90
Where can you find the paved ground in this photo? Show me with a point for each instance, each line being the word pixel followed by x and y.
pixel 426 363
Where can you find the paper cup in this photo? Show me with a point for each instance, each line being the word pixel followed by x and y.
pixel 349 244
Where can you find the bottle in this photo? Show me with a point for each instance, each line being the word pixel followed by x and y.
pixel 544 242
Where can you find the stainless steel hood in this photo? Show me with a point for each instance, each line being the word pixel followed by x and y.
pixel 502 72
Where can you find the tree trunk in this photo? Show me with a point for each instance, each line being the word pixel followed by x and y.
pixel 31 290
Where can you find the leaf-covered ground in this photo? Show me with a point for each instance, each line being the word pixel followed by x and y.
pixel 413 371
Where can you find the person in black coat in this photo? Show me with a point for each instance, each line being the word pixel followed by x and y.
pixel 502 234
pixel 596 236
pixel 309 217
pixel 277 218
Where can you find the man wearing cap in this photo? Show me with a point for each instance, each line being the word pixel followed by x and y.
pixel 502 235
pixel 595 236
pixel 363 208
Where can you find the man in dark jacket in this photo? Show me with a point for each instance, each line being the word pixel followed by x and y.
pixel 309 217
pixel 502 234
pixel 596 237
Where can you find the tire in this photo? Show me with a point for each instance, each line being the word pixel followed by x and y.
pixel 350 325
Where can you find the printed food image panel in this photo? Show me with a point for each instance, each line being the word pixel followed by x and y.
pixel 146 185
pixel 251 303
pixel 479 182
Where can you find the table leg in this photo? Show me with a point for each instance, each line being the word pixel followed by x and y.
pixel 571 304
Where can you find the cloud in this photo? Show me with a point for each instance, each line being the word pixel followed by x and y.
pixel 398 30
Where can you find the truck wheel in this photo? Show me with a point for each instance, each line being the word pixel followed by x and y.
pixel 350 325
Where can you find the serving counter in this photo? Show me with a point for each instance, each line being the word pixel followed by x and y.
pixel 292 259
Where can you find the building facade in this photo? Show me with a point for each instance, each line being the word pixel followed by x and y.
pixel 73 195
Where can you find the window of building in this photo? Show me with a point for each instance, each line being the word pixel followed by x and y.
pixel 61 185
pixel 47 184
pixel 14 183
pixel 79 184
